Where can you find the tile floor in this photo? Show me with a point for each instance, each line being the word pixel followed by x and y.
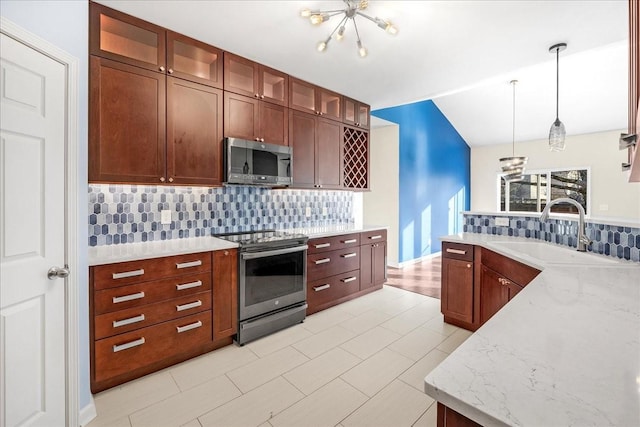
pixel 361 363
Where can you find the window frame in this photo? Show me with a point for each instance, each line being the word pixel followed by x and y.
pixel 547 172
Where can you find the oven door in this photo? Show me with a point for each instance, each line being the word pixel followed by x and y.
pixel 271 280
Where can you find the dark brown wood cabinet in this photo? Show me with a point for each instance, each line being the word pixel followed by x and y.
pixel 256 120
pixel 245 77
pixel 193 60
pixel 309 98
pixel 496 291
pixel 317 154
pixel 373 259
pixel 457 290
pixel 225 293
pixel 447 417
pixel 355 113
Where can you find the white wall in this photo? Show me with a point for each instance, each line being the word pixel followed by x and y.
pixel 381 205
pixel 599 151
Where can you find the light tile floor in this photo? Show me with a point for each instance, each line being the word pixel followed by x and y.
pixel 361 363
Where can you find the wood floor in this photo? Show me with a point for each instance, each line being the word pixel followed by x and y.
pixel 422 278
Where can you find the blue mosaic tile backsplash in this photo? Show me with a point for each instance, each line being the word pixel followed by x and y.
pixel 131 213
pixel 609 240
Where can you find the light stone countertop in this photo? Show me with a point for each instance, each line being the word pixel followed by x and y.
pixel 565 351
pixel 100 255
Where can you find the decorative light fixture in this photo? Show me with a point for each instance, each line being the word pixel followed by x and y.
pixel 353 8
pixel 557 131
pixel 513 166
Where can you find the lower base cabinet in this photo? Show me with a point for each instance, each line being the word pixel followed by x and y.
pixel 447 417
pixel 149 314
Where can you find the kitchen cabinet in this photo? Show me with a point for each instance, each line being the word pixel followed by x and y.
pixel 355 148
pixel 225 293
pixel 313 99
pixel 457 290
pixel 496 291
pixel 256 120
pixel 355 113
pixel 317 154
pixel 447 417
pixel 245 77
pixel 148 314
pixel 373 259
pixel 634 89
pixel 124 38
pixel 149 128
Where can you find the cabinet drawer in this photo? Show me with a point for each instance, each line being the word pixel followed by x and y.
pixel 325 244
pixel 126 273
pixel 327 264
pixel 331 288
pixel 515 271
pixel 115 299
pixel 459 251
pixel 118 322
pixel 374 236
pixel 124 353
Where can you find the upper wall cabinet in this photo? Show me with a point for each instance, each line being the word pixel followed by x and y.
pixel 249 78
pixel 123 38
pixel 313 99
pixel 355 113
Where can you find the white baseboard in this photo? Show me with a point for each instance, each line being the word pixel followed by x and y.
pixel 88 413
pixel 416 260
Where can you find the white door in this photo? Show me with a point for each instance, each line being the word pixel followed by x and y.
pixel 32 237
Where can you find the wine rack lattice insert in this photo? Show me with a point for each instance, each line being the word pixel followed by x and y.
pixel 356 146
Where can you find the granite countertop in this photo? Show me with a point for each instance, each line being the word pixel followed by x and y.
pixel 99 255
pixel 564 351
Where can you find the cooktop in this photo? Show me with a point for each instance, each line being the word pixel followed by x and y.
pixel 250 238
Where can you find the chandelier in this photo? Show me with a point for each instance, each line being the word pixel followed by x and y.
pixel 352 9
pixel 513 166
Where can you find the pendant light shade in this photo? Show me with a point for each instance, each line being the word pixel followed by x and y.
pixel 513 166
pixel 557 132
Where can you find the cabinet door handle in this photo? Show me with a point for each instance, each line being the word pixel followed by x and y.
pixel 321 288
pixel 189 327
pixel 322 261
pixel 468 265
pixel 130 297
pixel 456 251
pixel 183 286
pixel 130 320
pixel 377 236
pixel 161 68
pixel 322 245
pixel 188 305
pixel 351 255
pixel 188 264
pixel 170 70
pixel 126 346
pixel 349 241
pixel 128 274
pixel 348 279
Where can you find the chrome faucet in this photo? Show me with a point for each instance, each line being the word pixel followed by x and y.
pixel 583 240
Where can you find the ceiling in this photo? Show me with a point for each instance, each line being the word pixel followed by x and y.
pixel 460 54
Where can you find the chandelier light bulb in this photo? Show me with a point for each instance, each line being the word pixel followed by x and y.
pixel 557 134
pixel 305 13
pixel 317 18
pixel 391 29
pixel 362 51
pixel 322 46
pixel 340 34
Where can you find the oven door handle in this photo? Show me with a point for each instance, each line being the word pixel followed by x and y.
pixel 263 254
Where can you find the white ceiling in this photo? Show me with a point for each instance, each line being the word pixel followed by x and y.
pixel 461 54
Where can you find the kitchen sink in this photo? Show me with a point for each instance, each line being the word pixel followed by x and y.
pixel 552 254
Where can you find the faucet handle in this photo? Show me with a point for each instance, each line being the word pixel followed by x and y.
pixel 584 239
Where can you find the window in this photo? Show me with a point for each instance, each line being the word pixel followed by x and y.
pixel 538 187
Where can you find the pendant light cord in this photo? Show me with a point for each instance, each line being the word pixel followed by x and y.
pixel 513 137
pixel 557 82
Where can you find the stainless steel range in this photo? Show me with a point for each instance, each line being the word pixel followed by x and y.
pixel 272 275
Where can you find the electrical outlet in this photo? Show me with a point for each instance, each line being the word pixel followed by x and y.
pixel 307 211
pixel 165 216
pixel 502 221
pixel 325 211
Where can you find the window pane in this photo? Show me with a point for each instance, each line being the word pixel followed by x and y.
pixel 503 193
pixel 524 195
pixel 571 184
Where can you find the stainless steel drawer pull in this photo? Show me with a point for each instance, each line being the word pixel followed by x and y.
pixel 322 245
pixel 377 236
pixel 188 306
pixel 189 264
pixel 190 285
pixel 322 261
pixel 123 322
pixel 456 251
pixel 351 255
pixel 189 327
pixel 350 241
pixel 130 297
pixel 348 279
pixel 321 288
pixel 128 274
pixel 126 346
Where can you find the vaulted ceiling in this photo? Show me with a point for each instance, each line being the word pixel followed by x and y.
pixel 460 54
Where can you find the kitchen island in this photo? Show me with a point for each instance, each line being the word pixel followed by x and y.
pixel 564 351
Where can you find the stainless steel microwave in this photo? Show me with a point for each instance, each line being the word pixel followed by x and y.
pixel 257 163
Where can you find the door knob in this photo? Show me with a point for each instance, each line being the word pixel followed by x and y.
pixel 58 273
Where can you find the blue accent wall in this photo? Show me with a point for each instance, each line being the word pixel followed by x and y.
pixel 434 177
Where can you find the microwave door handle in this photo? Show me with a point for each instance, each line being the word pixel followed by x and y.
pixel 263 254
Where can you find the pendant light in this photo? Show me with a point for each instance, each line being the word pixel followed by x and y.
pixel 513 166
pixel 557 131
